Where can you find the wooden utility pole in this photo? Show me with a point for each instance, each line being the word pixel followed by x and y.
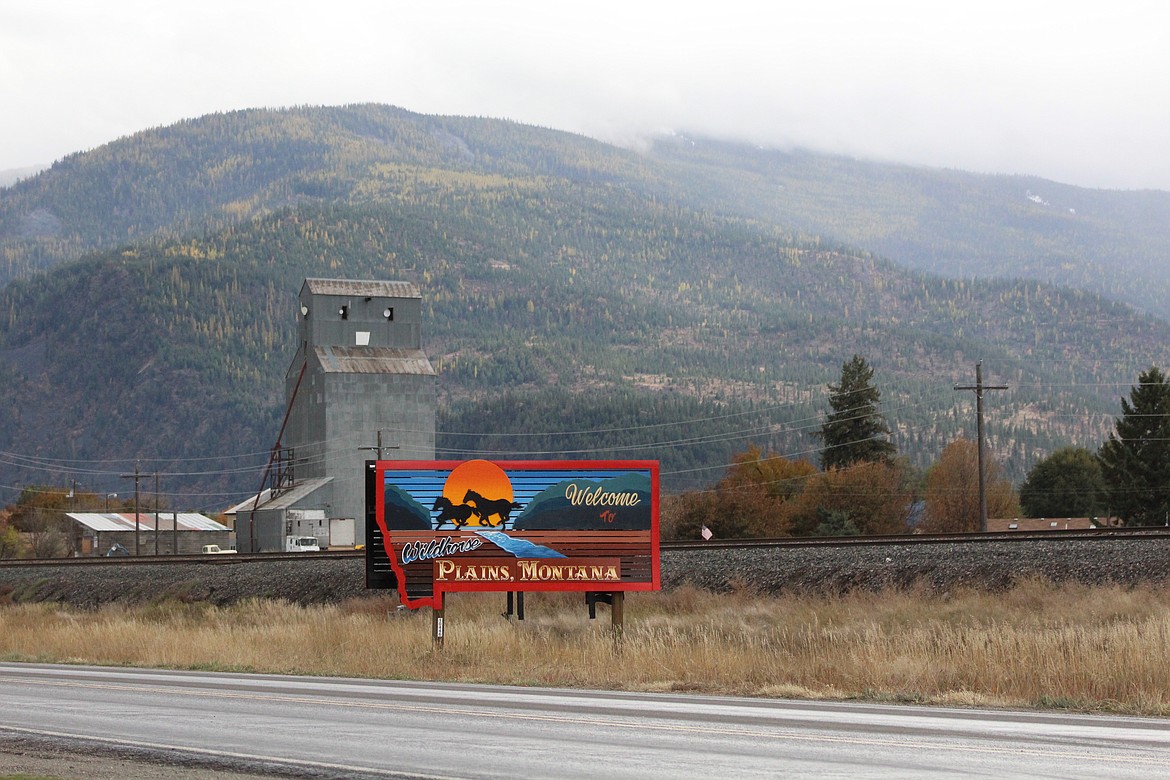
pixel 135 476
pixel 979 387
pixel 156 513
pixel 378 449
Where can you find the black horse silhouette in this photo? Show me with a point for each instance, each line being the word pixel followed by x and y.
pixel 485 508
pixel 457 514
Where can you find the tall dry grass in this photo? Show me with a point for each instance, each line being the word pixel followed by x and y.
pixel 1037 645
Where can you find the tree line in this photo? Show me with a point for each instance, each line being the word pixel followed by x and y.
pixel 864 487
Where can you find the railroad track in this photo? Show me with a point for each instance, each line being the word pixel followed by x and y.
pixel 1097 534
pixel 1156 532
pixel 211 560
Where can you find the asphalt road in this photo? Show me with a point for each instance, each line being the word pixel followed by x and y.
pixel 315 727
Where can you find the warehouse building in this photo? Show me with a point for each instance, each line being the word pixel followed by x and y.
pixel 162 533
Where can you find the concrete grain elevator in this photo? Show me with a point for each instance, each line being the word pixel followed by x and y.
pixel 359 375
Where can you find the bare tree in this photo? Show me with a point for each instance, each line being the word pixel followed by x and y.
pixel 952 490
pixel 46 533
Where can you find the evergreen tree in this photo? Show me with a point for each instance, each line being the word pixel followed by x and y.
pixel 855 431
pixel 1136 458
pixel 1068 483
pixel 835 522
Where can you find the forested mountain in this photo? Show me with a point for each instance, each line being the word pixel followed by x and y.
pixel 218 170
pixel 952 223
pixel 214 171
pixel 12 175
pixel 579 300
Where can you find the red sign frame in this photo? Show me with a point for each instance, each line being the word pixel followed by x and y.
pixel 517 526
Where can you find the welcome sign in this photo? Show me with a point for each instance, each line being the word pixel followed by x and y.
pixel 479 525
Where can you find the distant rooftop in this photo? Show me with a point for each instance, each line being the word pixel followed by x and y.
pixel 124 521
pixel 360 288
pixel 999 524
pixel 285 499
pixel 248 503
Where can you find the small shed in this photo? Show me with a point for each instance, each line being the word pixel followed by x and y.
pixel 157 533
pixel 301 509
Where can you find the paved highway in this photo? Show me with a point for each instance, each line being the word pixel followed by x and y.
pixel 366 728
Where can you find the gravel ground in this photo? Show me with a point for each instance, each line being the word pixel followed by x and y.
pixel 935 566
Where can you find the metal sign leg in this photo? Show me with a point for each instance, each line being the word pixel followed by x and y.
pixel 437 626
pixel 617 616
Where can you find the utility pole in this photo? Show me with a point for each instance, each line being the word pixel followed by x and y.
pixel 156 513
pixel 379 448
pixel 75 534
pixel 979 387
pixel 135 476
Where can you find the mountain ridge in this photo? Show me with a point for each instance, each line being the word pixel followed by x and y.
pixel 578 299
pixel 181 179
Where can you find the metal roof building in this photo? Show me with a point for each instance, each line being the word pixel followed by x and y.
pixel 147 521
pixel 166 533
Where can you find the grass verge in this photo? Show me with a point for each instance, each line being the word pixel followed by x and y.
pixel 1037 645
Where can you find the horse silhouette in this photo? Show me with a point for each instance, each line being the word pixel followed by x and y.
pixel 457 514
pixel 485 508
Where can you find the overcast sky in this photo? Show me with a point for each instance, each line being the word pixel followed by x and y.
pixel 1073 91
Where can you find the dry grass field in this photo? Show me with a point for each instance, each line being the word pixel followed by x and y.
pixel 1037 645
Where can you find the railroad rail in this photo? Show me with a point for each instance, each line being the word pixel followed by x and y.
pixel 996 536
pixel 1089 535
pixel 212 560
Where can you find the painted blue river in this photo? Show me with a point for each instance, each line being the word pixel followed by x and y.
pixel 521 548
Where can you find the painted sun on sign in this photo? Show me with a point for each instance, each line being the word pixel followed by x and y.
pixel 476 493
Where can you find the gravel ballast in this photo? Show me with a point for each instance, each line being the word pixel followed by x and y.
pixel 935 566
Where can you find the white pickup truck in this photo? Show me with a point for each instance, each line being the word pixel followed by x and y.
pixel 213 549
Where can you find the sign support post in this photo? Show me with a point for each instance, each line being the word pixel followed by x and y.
pixel 437 626
pixel 515 605
pixel 617 617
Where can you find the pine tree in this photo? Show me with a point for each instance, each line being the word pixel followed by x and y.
pixel 1136 458
pixel 855 431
